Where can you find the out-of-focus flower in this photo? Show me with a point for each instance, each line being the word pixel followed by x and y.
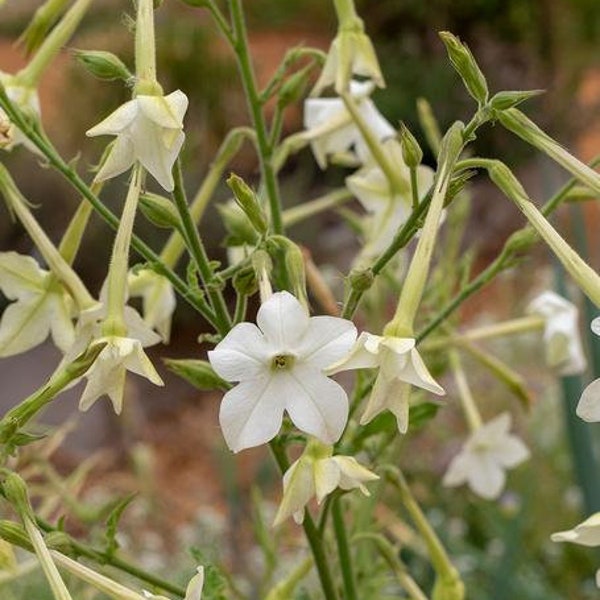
pixel 280 365
pixel 486 455
pixel 564 352
pixel 399 364
pixel 318 473
pixel 588 407
pixel 193 590
pixel 331 131
pixel 148 129
pixel 27 100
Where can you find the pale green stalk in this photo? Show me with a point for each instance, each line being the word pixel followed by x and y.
pixel 467 401
pixel 145 51
pixel 346 12
pixel 304 211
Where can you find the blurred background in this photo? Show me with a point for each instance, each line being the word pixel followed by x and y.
pixel 168 438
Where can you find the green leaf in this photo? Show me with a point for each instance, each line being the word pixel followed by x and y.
pixel 112 523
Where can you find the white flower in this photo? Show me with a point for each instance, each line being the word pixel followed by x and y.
pixel 331 130
pixel 148 129
pixel 279 365
pixel 318 473
pixel 389 211
pixel 158 299
pixel 588 407
pixel 193 590
pixel 564 352
pixel 399 363
pixel 107 374
pixel 42 306
pixel 586 533
pixel 485 456
pixel 26 99
pixel 351 53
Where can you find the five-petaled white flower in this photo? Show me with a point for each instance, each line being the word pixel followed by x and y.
pixel 586 533
pixel 564 352
pixel 400 366
pixel 588 407
pixel 158 299
pixel 485 456
pixel 26 99
pixel 148 129
pixel 331 131
pixel 42 306
pixel 317 473
pixel 280 365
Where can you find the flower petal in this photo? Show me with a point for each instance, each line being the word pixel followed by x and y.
pixel 363 355
pixel 588 407
pixel 24 325
pixel 416 373
pixel 284 321
pixel 485 477
pixel 167 111
pixel 326 340
pixel 327 477
pixel 117 121
pixel 119 159
pixel 20 275
pixel 298 489
pixel 511 452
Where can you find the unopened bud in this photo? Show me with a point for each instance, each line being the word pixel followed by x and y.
pixel 249 203
pixel 15 490
pixel 465 65
pixel 245 282
pixel 448 588
pixel 411 151
pixel 361 279
pixel 103 65
pixel 293 88
pixel 15 534
pixel 160 211
pixel 451 145
pixel 506 100
pixel 199 373
pixel 294 264
pixel 237 224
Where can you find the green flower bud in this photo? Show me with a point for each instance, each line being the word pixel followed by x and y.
pixel 411 151
pixel 103 65
pixel 15 490
pixel 59 540
pixel 237 224
pixel 294 264
pixel 249 203
pixel 160 211
pixel 448 588
pixel 199 373
pixel 506 100
pixel 15 534
pixel 293 88
pixel 361 279
pixel 465 65
pixel 451 145
pixel 245 282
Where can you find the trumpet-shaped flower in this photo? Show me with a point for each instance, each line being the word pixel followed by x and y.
pixel 388 209
pixel 26 99
pixel 149 129
pixel 485 456
pixel 318 473
pixel 158 299
pixel 331 130
pixel 564 352
pixel 400 366
pixel 41 306
pixel 107 374
pixel 280 367
pixel 586 533
pixel 588 407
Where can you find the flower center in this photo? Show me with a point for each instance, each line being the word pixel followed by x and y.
pixel 282 362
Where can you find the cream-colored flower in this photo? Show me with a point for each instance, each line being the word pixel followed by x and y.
pixel 158 299
pixel 193 590
pixel 564 352
pixel 318 473
pixel 331 131
pixel 586 533
pixel 26 99
pixel 400 366
pixel 41 306
pixel 485 456
pixel 588 407
pixel 149 129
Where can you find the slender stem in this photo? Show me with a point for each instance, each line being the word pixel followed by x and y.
pixel 464 391
pixel 241 305
pixel 265 150
pixel 343 550
pixel 221 22
pixel 198 253
pixel 303 211
pixel 414 188
pixel 145 45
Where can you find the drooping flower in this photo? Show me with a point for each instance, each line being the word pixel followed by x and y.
pixel 331 130
pixel 27 100
pixel 158 299
pixel 148 129
pixel 588 407
pixel 41 306
pixel 488 452
pixel 318 473
pixel 564 352
pixel 400 366
pixel 586 533
pixel 280 367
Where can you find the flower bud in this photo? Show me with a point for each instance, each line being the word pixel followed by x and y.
pixel 249 203
pixel 466 66
pixel 448 588
pixel 160 211
pixel 294 263
pixel 237 224
pixel 361 279
pixel 43 19
pixel 293 88
pixel 103 65
pixel 14 534
pixel 15 490
pixel 411 151
pixel 245 282
pixel 506 100
pixel 199 373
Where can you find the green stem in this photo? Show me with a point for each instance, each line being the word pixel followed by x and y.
pixel 241 305
pixel 313 535
pixel 198 253
pixel 145 47
pixel 304 211
pixel 265 150
pixel 467 401
pixel 414 188
pixel 344 554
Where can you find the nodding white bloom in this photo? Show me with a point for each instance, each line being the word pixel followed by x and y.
pixel 564 352
pixel 351 53
pixel 388 209
pixel 107 375
pixel 158 299
pixel 400 366
pixel 26 98
pixel 148 129
pixel 331 130
pixel 193 590
pixel 41 306
pixel 586 533
pixel 485 456
pixel 318 473
pixel 280 367
pixel 588 407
